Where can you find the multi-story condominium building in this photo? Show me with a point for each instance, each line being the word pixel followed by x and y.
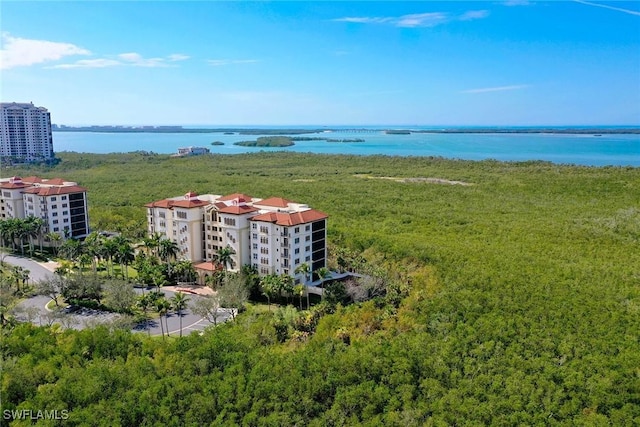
pixel 274 235
pixel 25 133
pixel 61 204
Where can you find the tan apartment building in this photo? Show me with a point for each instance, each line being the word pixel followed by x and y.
pixel 274 235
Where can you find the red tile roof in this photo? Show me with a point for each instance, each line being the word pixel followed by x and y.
pixel 237 209
pixel 12 185
pixel 208 266
pixel 168 203
pixel 277 202
pixel 164 203
pixel 54 191
pixel 240 196
pixel 289 219
pixel 32 179
pixel 193 203
pixel 54 181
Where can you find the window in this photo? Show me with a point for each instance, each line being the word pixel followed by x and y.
pixel 56 229
pixel 296 261
pixel 64 205
pixel 54 214
pixel 296 230
pixel 264 251
pixel 264 240
pixel 297 240
pixel 64 197
pixel 254 246
pixel 254 226
pixel 307 228
pixel 307 258
pixel 255 236
pixel 65 220
pixel 297 251
pixel 53 199
pixel 255 256
pixel 307 238
pixel 55 221
pixel 54 206
pixel 264 229
pixel 230 221
pixel 181 215
pixel 307 248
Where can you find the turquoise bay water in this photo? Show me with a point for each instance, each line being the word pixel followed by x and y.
pixel 590 150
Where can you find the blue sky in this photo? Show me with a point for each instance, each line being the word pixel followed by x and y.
pixel 324 63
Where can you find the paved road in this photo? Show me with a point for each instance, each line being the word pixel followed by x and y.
pixel 34 309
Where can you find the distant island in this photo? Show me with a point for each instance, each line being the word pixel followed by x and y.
pixel 267 141
pixel 298 131
pixel 217 143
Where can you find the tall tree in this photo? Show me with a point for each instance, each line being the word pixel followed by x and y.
pixel 323 274
pixel 225 257
pixel 179 302
pixel 162 307
pixel 168 250
pixel 269 285
pixel 305 270
pixel 234 293
pixel 208 308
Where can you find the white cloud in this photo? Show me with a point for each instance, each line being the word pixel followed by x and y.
pixel 19 52
pixel 90 63
pixel 618 9
pixel 177 57
pixel 131 59
pixel 421 20
pixel 495 89
pixel 473 14
pixel 429 19
pixel 220 62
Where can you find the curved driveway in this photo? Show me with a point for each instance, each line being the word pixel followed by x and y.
pixel 86 318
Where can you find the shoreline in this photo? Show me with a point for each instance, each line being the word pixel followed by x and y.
pixel 578 130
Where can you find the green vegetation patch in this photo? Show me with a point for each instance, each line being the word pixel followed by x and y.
pixel 268 141
pixel 523 308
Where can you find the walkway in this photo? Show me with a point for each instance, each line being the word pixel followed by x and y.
pixel 34 309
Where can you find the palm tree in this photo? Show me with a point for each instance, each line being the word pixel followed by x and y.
pixel 167 249
pixel 94 247
pixel 143 303
pixel 110 248
pixel 285 285
pixel 13 226
pixel 4 232
pixel 162 307
pixel 323 273
pixel 269 286
pixel 55 239
pixel 299 290
pixel 71 249
pixel 179 302
pixel 158 278
pixel 225 257
pixel 152 243
pixel 124 255
pixel 305 270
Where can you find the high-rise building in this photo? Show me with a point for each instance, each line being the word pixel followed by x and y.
pixel 274 235
pixel 61 204
pixel 25 133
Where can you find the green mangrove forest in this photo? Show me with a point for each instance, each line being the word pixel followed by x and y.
pixel 516 301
